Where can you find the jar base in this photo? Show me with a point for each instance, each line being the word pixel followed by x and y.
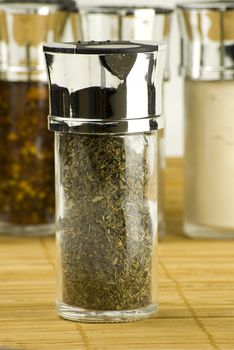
pixel 27 230
pixel 197 231
pixel 73 313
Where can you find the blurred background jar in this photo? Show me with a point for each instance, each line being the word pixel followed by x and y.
pixel 134 23
pixel 26 146
pixel 207 65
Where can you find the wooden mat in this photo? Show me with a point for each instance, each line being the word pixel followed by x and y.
pixel 196 295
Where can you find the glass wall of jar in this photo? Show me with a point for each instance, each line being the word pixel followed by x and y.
pixel 106 175
pixel 134 23
pixel 26 146
pixel 207 35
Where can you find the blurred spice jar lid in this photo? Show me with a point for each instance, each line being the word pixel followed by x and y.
pixel 24 27
pixel 67 5
pixel 207 39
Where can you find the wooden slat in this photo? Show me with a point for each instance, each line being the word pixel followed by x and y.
pixel 196 294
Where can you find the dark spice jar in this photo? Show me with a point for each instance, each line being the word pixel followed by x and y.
pixel 26 146
pixel 105 106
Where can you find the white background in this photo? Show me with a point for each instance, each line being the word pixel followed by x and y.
pixel 173 106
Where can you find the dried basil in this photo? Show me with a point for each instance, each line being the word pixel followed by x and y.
pixel 105 227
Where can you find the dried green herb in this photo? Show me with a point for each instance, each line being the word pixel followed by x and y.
pixel 106 232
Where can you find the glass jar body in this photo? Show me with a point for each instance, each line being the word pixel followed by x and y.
pixel 26 160
pixel 161 183
pixel 209 159
pixel 106 226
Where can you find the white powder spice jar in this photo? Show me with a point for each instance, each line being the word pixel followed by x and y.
pixel 209 160
pixel 207 33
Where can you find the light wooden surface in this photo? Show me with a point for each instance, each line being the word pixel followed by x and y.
pixel 196 295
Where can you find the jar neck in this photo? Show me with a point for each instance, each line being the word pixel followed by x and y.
pixel 23 74
pixel 207 73
pixel 102 127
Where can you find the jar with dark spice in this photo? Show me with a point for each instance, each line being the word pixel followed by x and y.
pixel 105 107
pixel 26 146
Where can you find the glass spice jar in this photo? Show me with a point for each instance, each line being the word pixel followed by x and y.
pixel 106 175
pixel 26 146
pixel 207 34
pixel 135 23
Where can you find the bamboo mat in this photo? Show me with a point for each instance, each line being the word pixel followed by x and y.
pixel 196 295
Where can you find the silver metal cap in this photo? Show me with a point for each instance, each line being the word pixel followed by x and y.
pixel 24 27
pixel 207 39
pixel 105 87
pixel 128 23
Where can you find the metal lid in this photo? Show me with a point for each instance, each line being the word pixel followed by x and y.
pixel 127 9
pixel 103 47
pixel 207 38
pixel 32 6
pixel 128 23
pixel 24 27
pixel 105 87
pixel 207 5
